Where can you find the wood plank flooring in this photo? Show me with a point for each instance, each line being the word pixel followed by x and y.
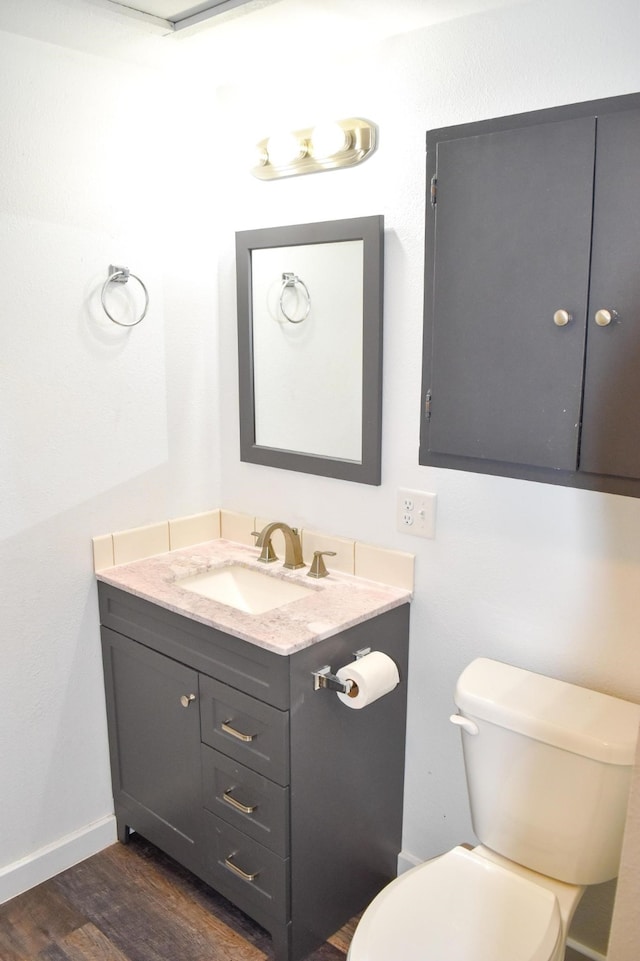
pixel 133 903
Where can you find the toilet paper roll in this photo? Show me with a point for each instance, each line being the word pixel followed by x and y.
pixel 375 675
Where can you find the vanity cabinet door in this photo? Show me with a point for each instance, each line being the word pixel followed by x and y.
pixel 154 734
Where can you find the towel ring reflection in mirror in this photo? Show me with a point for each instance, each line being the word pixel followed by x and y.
pixel 303 299
pixel 120 275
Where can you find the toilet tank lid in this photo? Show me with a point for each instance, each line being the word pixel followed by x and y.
pixel 564 715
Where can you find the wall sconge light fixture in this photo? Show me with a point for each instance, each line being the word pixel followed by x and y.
pixel 342 143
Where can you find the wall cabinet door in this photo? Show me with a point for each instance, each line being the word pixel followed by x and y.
pixel 610 442
pixel 532 230
pixel 513 226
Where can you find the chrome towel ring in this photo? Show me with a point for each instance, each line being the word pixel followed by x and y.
pixel 291 280
pixel 120 275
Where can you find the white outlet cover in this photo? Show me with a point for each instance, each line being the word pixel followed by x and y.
pixel 416 513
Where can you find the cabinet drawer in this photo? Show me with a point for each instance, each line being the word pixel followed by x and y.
pixel 248 801
pixel 245 729
pixel 247 873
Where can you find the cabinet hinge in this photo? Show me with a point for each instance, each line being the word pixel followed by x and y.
pixel 427 405
pixel 434 190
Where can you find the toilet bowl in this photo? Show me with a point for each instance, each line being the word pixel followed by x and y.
pixel 548 768
pixel 461 907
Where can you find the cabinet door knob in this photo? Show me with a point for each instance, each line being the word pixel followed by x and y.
pixel 604 317
pixel 561 318
pixel 186 699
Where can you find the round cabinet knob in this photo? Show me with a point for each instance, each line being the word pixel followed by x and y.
pixel 186 699
pixel 561 318
pixel 604 317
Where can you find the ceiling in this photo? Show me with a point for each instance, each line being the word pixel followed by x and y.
pixel 174 9
pixel 233 38
pixel 181 13
pixel 389 16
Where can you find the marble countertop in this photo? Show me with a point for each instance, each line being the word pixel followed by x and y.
pixel 334 603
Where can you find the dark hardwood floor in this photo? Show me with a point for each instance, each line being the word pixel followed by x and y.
pixel 133 903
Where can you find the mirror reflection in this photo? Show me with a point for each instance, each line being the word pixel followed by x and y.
pixel 307 348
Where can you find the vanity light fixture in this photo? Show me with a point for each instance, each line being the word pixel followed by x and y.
pixel 342 143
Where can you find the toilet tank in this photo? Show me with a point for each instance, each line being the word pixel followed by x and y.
pixel 548 771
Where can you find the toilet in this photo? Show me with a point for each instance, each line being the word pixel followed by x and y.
pixel 548 768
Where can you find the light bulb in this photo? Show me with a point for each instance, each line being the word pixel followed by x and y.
pixel 328 139
pixel 285 148
pixel 260 156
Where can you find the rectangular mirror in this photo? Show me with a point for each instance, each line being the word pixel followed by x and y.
pixel 310 347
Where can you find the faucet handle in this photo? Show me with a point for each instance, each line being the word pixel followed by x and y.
pixel 318 568
pixel 267 554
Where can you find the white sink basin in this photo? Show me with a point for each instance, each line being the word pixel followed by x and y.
pixel 245 589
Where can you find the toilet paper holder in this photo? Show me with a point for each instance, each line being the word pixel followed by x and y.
pixel 323 678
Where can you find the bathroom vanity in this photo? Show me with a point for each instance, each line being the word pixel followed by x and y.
pixel 281 797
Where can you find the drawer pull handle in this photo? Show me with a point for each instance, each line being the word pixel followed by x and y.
pixel 236 870
pixel 187 699
pixel 226 727
pixel 246 809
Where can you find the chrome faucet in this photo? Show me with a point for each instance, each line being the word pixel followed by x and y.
pixel 293 548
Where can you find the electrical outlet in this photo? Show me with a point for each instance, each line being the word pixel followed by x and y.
pixel 416 513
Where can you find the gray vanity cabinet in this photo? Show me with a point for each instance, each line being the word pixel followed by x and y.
pixel 280 797
pixel 532 233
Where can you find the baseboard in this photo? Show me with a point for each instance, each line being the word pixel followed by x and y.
pixel 406 860
pixel 45 863
pixel 585 951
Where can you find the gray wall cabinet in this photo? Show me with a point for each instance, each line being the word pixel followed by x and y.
pixel 532 297
pixel 222 754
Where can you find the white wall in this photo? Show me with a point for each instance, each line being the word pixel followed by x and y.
pixel 540 576
pixel 104 161
pixel 102 428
